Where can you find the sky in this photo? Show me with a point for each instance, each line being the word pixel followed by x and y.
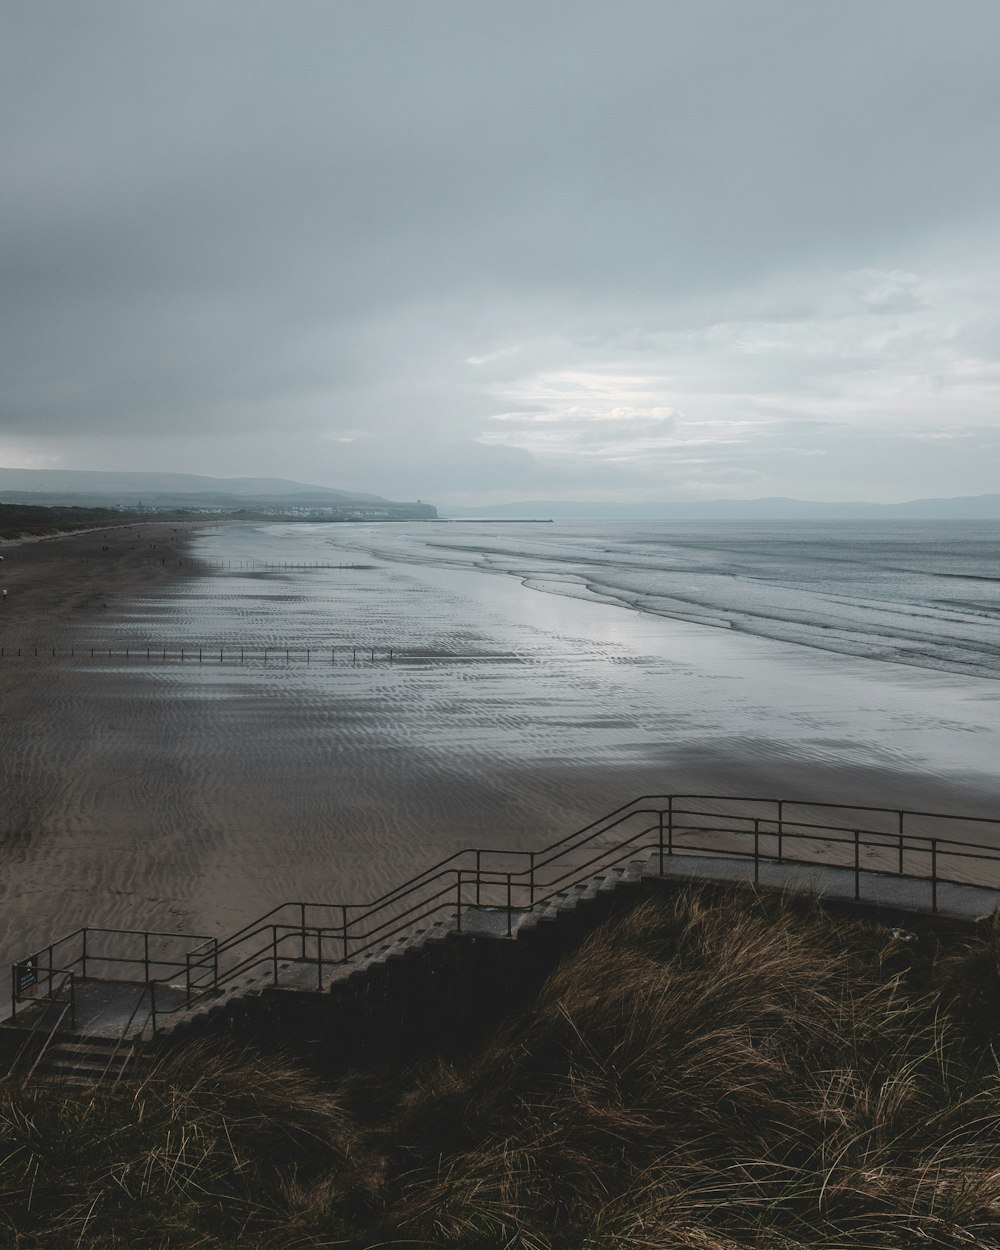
pixel 473 252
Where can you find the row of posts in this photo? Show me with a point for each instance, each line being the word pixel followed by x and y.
pixel 202 654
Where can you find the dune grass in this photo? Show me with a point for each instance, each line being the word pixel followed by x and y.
pixel 36 520
pixel 710 1070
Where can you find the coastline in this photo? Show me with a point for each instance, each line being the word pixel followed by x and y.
pixel 195 797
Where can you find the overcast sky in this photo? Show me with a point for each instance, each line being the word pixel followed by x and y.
pixel 469 251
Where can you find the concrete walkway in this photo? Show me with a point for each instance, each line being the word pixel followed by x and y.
pixel 915 894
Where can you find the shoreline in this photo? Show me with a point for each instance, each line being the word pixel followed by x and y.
pixel 154 795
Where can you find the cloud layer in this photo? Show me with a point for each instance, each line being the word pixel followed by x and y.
pixel 464 251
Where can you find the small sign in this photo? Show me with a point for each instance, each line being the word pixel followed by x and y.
pixel 26 978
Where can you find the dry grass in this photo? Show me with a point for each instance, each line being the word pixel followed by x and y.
pixel 711 1071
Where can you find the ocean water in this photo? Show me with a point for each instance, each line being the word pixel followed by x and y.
pixel 919 593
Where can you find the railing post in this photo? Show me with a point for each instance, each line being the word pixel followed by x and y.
pixel 934 877
pixel 319 959
pixel 458 896
pixel 479 860
pixel 187 978
pixel 510 918
pixel 274 952
pixel 302 921
pixel 660 814
pixel 857 865
pixel 756 851
pixel 901 817
pixel 343 927
pixel 781 829
pixel 670 825
pixel 531 881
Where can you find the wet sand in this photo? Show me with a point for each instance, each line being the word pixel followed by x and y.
pixel 194 796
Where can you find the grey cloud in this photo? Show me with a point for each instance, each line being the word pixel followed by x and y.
pixel 263 222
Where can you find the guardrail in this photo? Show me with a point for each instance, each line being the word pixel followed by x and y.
pixel 141 955
pixel 920 846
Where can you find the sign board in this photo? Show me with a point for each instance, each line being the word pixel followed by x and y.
pixel 26 978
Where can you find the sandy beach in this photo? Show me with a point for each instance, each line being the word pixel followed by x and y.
pixel 194 796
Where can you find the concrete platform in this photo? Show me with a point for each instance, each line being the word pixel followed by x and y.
pixel 959 902
pixel 103 1008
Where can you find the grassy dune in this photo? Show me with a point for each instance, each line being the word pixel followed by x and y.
pixel 29 520
pixel 708 1071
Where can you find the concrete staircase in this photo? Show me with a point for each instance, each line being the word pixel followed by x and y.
pixel 388 970
pixel 86 1061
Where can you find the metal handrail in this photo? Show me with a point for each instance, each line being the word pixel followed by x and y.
pixel 670 825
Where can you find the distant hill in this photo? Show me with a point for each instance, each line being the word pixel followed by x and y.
pixel 960 508
pixel 159 492
pixel 84 486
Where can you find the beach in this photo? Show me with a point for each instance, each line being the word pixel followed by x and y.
pixel 146 790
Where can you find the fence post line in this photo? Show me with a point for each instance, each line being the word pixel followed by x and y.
pixel 670 824
pixel 458 896
pixel 302 921
pixel 902 816
pixel 531 880
pixel 756 850
pixel 343 918
pixel 479 875
pixel 319 959
pixel 857 865
pixel 510 926
pixel 781 829
pixel 934 878
pixel 187 978
pixel 274 952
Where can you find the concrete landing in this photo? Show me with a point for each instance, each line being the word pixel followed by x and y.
pixel 957 902
pixel 103 1008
